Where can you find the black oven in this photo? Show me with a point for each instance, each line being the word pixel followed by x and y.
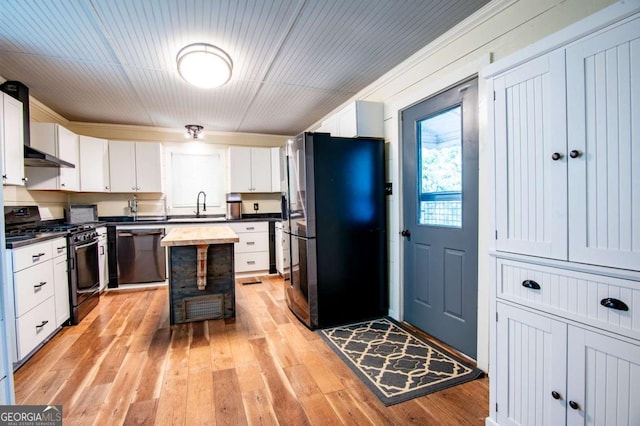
pixel 84 279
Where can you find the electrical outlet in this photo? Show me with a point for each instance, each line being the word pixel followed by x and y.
pixel 256 206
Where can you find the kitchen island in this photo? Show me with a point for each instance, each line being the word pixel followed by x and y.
pixel 201 273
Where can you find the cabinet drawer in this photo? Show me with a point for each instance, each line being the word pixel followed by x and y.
pixel 32 286
pixel 253 241
pixel 35 326
pixel 574 295
pixel 59 247
pixel 255 261
pixel 30 255
pixel 242 227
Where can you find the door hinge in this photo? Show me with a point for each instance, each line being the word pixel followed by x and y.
pixel 496 234
pixel 496 317
pixel 496 407
pixel 494 95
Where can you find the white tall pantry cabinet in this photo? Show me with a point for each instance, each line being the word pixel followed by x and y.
pixel 566 132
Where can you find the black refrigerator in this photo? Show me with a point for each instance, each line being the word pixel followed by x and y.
pixel 334 217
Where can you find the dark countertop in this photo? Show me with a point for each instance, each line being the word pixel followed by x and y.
pixel 174 220
pixel 17 242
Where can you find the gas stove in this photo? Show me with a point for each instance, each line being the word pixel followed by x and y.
pixel 24 226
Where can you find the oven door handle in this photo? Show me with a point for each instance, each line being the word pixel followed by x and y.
pixel 94 242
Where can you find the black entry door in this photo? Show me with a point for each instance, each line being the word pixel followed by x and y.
pixel 440 219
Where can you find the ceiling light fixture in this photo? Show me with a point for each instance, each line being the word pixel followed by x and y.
pixel 194 131
pixel 204 65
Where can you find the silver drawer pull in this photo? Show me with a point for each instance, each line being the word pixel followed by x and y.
pixel 251 262
pixel 250 228
pixel 37 287
pixel 42 324
pixel 251 243
pixel 37 257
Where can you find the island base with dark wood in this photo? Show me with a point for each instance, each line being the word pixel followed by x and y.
pixel 217 299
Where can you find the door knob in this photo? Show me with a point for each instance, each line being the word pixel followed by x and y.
pixel 406 233
pixel 556 156
pixel 575 153
pixel 555 395
pixel 574 405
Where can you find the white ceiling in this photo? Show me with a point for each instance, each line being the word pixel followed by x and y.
pixel 113 61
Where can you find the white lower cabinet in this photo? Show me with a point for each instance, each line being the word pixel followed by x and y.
pixel 551 373
pixel 38 291
pixel 252 251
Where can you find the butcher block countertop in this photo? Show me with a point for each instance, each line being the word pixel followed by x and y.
pixel 199 236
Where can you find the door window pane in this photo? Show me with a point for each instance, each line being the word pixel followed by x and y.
pixel 440 169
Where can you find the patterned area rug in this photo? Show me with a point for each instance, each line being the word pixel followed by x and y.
pixel 395 364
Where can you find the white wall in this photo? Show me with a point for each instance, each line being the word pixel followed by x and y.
pixel 499 29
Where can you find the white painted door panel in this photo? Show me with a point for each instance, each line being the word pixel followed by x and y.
pixel 603 85
pixel 261 169
pixel 603 380
pixel 530 365
pixel 531 192
pixel 122 166
pixel 94 164
pixel 148 167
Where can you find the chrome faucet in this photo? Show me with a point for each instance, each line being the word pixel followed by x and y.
pixel 204 203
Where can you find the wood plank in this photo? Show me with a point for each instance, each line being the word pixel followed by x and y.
pixel 172 402
pixel 85 410
pixel 115 407
pixel 154 367
pixel 284 401
pixel 141 413
pixel 201 405
pixel 258 408
pixel 229 408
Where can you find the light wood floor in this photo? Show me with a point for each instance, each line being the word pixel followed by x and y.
pixel 124 364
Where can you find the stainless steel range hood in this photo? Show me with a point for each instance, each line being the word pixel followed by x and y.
pixel 35 158
pixel 32 156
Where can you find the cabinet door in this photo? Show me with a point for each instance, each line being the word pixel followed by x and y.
pixel 530 365
pixel 261 169
pixel 148 167
pixel 94 164
pixel 240 169
pixel 122 166
pixel 529 128
pixel 68 150
pixel 61 289
pixel 275 170
pixel 603 380
pixel 604 131
pixel 13 141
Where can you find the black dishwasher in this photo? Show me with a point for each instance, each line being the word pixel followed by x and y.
pixel 138 254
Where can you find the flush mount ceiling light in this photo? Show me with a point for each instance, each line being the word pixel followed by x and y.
pixel 194 131
pixel 204 65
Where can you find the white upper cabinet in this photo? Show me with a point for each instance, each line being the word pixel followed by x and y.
pixel 135 166
pixel 94 164
pixel 358 119
pixel 566 187
pixel 603 86
pixel 62 143
pixel 250 169
pixel 12 139
pixel 530 155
